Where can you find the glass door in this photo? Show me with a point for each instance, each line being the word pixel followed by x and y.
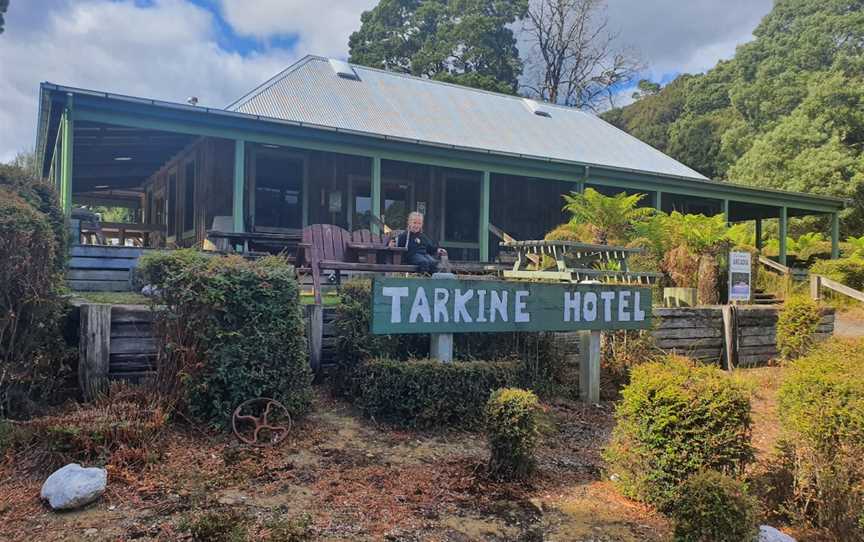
pixel 397 200
pixel 461 225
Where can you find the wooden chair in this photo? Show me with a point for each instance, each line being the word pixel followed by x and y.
pixel 327 248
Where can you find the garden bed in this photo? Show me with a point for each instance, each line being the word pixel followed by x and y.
pixel 358 482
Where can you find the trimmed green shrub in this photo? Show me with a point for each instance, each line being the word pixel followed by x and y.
pixel 32 256
pixel 429 393
pixel 511 427
pixel 821 405
pixel 712 507
pixel 232 331
pixel 848 271
pixel 797 322
pixel 676 418
pixel 355 343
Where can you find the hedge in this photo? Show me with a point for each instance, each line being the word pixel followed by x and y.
pixel 429 393
pixel 542 366
pixel 232 331
pixel 848 271
pixel 796 325
pixel 821 405
pixel 32 256
pixel 675 419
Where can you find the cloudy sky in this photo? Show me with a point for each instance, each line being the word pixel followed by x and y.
pixel 219 49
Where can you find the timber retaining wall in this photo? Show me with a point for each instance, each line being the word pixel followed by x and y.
pixel 117 341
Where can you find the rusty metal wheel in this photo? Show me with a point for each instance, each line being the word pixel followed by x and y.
pixel 261 422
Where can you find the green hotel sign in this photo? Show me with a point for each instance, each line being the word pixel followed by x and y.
pixel 416 305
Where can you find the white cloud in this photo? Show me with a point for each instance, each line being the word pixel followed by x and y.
pixel 675 36
pixel 167 51
pixel 322 27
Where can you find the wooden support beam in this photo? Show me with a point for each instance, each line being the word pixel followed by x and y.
pixel 94 348
pixel 589 366
pixel 315 334
pixel 835 236
pixel 240 185
pixel 658 200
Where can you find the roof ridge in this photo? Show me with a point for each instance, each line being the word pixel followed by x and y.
pixel 464 87
pixel 309 57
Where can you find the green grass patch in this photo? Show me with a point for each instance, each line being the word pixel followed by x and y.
pixel 113 298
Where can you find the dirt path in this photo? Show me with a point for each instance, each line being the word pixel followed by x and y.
pixel 849 323
pixel 357 482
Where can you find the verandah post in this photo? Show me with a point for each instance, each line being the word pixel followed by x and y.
pixel 759 234
pixel 835 236
pixel 484 217
pixel 783 223
pixel 376 193
pixel 239 184
pixel 658 200
pixel 726 211
pixel 66 159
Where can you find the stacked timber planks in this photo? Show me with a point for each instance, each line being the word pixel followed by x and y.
pixel 693 332
pixel 133 342
pixel 757 333
pixel 101 268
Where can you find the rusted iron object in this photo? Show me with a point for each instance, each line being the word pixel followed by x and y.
pixel 261 422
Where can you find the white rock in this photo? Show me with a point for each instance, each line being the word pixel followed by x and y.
pixel 770 534
pixel 74 486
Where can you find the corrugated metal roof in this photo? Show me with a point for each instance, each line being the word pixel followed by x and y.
pixel 397 105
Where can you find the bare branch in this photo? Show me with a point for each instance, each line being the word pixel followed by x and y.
pixel 574 59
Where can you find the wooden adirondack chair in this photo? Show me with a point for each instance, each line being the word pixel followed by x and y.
pixel 329 247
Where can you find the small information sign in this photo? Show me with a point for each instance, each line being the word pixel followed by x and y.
pixel 739 276
pixel 417 305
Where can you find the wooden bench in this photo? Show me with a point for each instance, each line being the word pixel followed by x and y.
pixel 331 248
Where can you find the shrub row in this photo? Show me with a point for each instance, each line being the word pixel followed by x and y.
pixel 541 364
pixel 821 405
pixel 849 271
pixel 427 393
pixel 231 329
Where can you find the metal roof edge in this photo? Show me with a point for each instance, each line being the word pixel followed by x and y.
pixel 270 82
pixel 246 116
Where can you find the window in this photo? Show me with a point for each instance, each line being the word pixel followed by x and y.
pixel 172 204
pixel 189 197
pixel 278 190
pixel 462 209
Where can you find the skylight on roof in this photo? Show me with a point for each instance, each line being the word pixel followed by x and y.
pixel 537 108
pixel 343 69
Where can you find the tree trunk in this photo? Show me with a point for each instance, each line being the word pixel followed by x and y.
pixel 708 289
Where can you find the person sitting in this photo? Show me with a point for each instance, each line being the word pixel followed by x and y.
pixel 422 251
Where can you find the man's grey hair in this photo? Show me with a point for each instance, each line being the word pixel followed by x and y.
pixel 412 214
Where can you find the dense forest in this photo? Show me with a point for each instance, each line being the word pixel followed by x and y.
pixel 786 112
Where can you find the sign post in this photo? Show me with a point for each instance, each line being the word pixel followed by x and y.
pixel 440 306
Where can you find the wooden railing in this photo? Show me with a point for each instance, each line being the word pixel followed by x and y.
pixel 776 266
pixel 817 282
